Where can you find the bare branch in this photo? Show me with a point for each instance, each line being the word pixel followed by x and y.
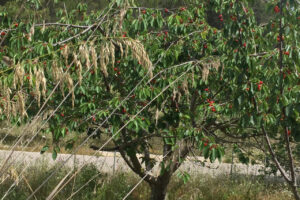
pixel 274 157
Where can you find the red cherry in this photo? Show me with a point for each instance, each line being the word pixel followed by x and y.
pixel 278 38
pixel 94 118
pixel 235 51
pixel 206 89
pixel 115 69
pixel 286 53
pixel 205 46
pixel 3 33
pixel 124 110
pixel 289 132
pixel 144 11
pixel 166 10
pixel 233 18
pixel 205 144
pixel 221 19
pixel 220 16
pixel 16 25
pixel 276 9
pixel 261 82
pixel 245 44
pixel 259 87
pixel 28 77
pixel 247 89
pixel 182 9
pixel 62 114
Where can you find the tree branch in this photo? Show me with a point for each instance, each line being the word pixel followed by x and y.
pixel 274 157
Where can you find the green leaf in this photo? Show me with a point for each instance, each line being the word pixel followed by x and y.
pixel 213 155
pixel 206 152
pixel 44 149
pixel 54 154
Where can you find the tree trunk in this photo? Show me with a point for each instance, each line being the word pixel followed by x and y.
pixel 158 191
pixel 295 192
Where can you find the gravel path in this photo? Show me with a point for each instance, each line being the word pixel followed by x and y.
pixel 107 163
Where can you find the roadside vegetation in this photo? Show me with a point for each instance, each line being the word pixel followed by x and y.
pixel 115 187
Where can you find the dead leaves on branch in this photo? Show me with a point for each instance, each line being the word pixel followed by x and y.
pixel 87 57
pixel 208 65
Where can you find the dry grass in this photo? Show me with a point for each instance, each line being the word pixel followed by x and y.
pixel 107 186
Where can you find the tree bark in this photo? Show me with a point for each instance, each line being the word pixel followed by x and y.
pixel 159 190
pixel 295 192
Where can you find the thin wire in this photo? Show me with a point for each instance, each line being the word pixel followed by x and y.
pixel 134 89
pixel 20 178
pixel 130 92
pixel 53 196
pixel 12 149
pixel 146 176
pixel 95 177
pixel 66 70
pixel 140 181
pixel 182 64
pixel 60 103
pixel 138 112
pixel 138 84
pixel 54 172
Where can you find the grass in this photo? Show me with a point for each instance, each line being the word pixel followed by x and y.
pixel 114 187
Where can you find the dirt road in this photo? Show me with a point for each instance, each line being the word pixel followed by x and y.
pixel 109 162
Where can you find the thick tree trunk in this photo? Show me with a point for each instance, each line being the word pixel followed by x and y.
pixel 158 191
